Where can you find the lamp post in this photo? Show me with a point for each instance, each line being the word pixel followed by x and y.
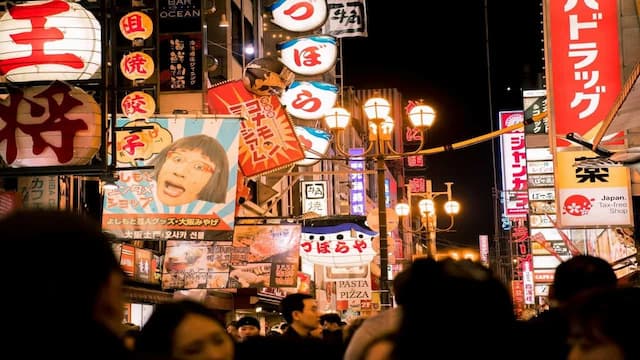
pixel 380 129
pixel 428 213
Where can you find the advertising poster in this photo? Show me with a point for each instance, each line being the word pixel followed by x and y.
pixel 181 62
pixel 268 141
pixel 190 191
pixel 259 256
pixel 265 256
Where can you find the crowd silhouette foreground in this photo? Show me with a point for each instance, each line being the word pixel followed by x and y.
pixel 65 274
pixel 64 287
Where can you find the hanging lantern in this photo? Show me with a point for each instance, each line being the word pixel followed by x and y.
pixel 49 40
pixel 51 125
pixel 309 55
pixel 138 105
pixel 299 15
pixel 137 66
pixel 309 100
pixel 136 26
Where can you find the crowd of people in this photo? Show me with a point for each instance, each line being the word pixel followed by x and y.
pixel 455 308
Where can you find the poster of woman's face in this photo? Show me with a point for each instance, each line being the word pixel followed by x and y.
pixel 192 168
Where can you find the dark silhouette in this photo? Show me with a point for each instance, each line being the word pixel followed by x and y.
pixel 550 328
pixel 63 273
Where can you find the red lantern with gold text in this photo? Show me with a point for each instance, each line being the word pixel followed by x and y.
pixel 49 40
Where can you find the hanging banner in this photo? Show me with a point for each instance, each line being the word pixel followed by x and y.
pixel 347 18
pixel 268 141
pixel 191 192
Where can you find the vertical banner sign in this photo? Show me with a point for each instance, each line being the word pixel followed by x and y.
pixel 191 192
pixel 484 249
pixel 181 62
pixel 585 64
pixel 347 18
pixel 39 192
pixel 535 109
pixel 592 196
pixel 357 193
pixel 514 165
pixel 314 197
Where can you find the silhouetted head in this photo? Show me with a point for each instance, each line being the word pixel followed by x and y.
pixel 580 273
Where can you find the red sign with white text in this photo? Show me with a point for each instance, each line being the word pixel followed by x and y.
pixel 585 64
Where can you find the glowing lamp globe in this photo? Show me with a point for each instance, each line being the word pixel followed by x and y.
pixel 49 40
pixel 38 133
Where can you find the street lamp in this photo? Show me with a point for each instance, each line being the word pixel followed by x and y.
pixel 381 125
pixel 428 213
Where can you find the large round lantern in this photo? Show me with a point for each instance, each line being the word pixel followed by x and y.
pixel 49 40
pixel 52 125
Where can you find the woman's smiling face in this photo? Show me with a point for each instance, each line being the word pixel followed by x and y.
pixel 183 175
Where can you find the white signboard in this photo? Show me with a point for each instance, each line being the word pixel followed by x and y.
pixel 314 197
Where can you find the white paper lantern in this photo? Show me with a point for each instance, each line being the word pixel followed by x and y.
pixel 52 125
pixel 49 40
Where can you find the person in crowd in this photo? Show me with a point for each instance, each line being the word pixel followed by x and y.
pixel 571 278
pixel 184 330
pixel 191 168
pixel 248 326
pixel 300 311
pixel 332 329
pixel 78 283
pixel 601 324
pixel 350 328
pixel 232 329
pixel 463 299
pixel 379 325
pixel 130 335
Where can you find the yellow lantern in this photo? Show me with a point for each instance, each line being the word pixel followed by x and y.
pixel 136 25
pixel 51 125
pixel 137 66
pixel 138 105
pixel 49 40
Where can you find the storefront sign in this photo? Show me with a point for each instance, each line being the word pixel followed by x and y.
pixel 344 244
pixel 347 18
pixel 181 62
pixel 514 164
pixel 49 40
pixel 180 15
pixel 314 197
pixel 357 193
pixel 39 192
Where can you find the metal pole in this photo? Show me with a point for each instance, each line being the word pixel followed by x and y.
pixel 430 226
pixel 382 223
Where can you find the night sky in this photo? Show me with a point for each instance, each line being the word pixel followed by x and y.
pixel 437 51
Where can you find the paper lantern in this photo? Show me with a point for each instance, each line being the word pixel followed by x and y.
pixel 138 105
pixel 136 25
pixel 49 40
pixel 137 66
pixel 299 15
pixel 49 125
pixel 309 55
pixel 309 100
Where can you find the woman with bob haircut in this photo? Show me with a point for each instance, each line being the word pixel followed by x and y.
pixel 191 168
